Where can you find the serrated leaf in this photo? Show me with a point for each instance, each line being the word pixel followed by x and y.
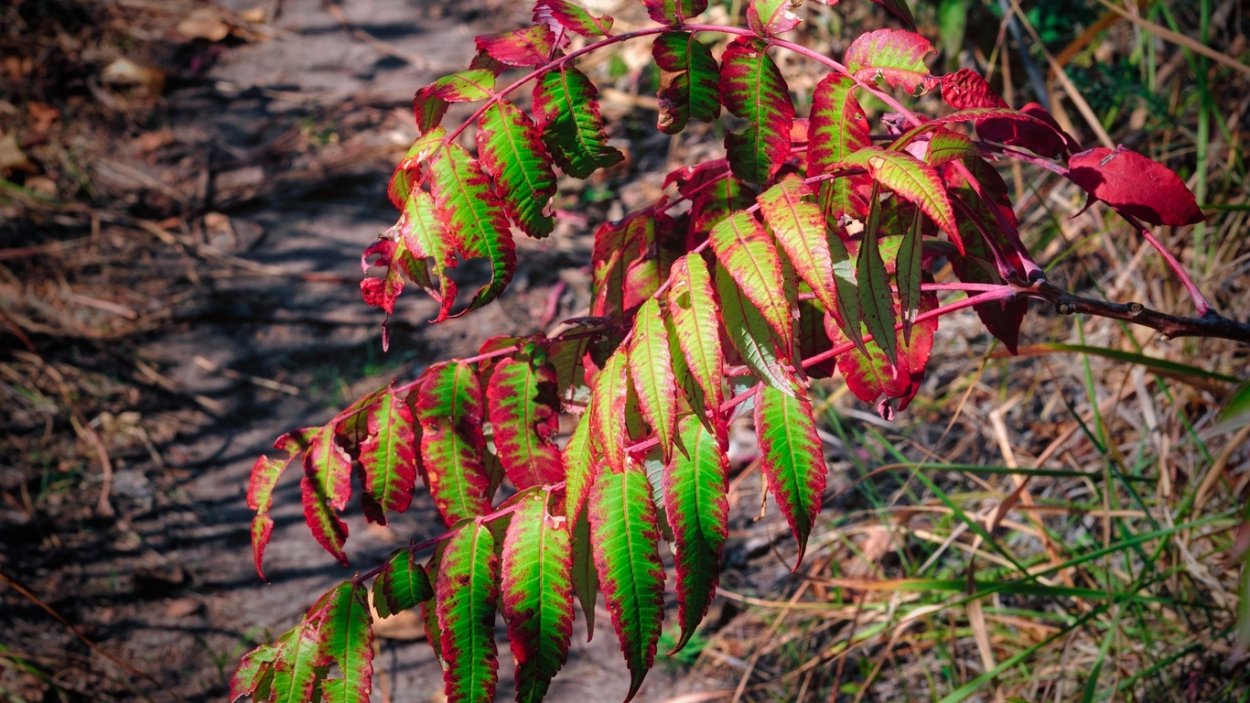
pixel 871 376
pixel 694 313
pixel 751 335
pixel 651 370
pixel 791 457
pixel 347 638
pixel 799 228
pixel 525 414
pixel 472 214
pixel 449 410
pixel 463 86
pixel 579 469
pixel 745 250
pixel 512 152
pixel 625 534
pixel 965 89
pixel 849 313
pixel 714 192
pixel 946 146
pixel 405 178
pixel 907 272
pixel 876 301
pixel 573 17
pixel 264 477
pixel 697 508
pixel 429 608
pixel 255 674
pixel 689 82
pixel 608 398
pixel 528 46
pixel 1135 185
pixel 465 593
pixel 836 129
pixel 389 454
pixel 752 88
pixel 401 586
pixel 424 241
pixel 295 670
pixel 566 108
pixel 771 17
pixel 674 12
pixel 893 55
pixel 912 179
pixel 325 489
pixel 585 578
pixel 537 595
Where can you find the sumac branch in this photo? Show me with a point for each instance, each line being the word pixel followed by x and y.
pixel 809 250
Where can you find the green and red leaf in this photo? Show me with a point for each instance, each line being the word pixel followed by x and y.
pixel 529 46
pixel 674 12
pixel 695 317
pixel 791 457
pixel 753 88
pixel 697 508
pixel 566 108
pixel 347 639
pixel 449 411
pixel 579 469
pixel 770 17
pixel 894 55
pixel 264 477
pixel 713 190
pixel 625 534
pixel 389 454
pixel 465 594
pixel 745 250
pixel 524 412
pixel 799 227
pixel 573 17
pixel 837 128
pixel 608 400
pixel 651 370
pixel 401 585
pixel 912 179
pixel 512 152
pixel 689 81
pixel 467 206
pixel 751 335
pixel 537 594
pixel 326 488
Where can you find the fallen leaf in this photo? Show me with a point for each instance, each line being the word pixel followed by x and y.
pixel 204 23
pixel 12 158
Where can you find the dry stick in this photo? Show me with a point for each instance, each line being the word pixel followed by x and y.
pixel 121 663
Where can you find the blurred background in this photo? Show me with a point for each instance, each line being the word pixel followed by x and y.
pixel 185 191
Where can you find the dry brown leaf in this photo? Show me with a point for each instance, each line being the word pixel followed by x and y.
pixel 204 23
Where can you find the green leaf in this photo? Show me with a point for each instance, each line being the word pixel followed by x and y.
pixel 695 317
pixel 651 370
pixel 347 639
pixel 470 211
pixel 401 586
pixel 524 412
pixel 424 237
pixel 567 110
pixel 908 273
pixel 893 55
pixel 625 534
pixel 751 335
pixel 946 146
pixel 799 228
pixel 465 593
pixel 585 578
pixel 1236 411
pixel 449 410
pixel 746 252
pixel 848 313
pixel 837 128
pixel 752 88
pixel 912 179
pixel 791 457
pixel 512 152
pixel 689 81
pixel 389 455
pixel 697 508
pixel 875 298
pixel 295 671
pixel 537 594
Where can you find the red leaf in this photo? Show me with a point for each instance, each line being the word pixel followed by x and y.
pixel 674 12
pixel 572 16
pixel 965 89
pixel 1135 185
pixel 530 46
pixel 326 488
pixel 524 412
